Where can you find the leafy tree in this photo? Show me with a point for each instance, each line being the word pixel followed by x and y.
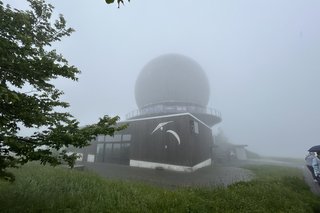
pixel 118 1
pixel 28 97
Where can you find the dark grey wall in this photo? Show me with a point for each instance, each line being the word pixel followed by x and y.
pixel 137 142
pixel 163 147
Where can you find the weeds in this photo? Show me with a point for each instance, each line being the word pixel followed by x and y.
pixel 46 189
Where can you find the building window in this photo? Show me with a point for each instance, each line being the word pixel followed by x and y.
pixel 181 108
pixel 100 138
pixel 116 147
pixel 115 138
pixel 126 137
pixel 108 149
pixel 125 145
pixel 196 127
pixel 90 158
pixel 100 148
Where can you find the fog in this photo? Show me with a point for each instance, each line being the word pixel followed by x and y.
pixel 261 59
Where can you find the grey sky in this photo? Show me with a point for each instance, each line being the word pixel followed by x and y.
pixel 262 59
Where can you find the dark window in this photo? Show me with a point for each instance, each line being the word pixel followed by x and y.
pixel 126 137
pixel 114 138
pixel 108 149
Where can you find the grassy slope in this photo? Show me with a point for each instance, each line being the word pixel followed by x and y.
pixel 47 189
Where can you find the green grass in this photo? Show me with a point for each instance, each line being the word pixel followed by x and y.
pixel 46 189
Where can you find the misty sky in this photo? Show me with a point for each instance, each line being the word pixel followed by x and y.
pixel 262 59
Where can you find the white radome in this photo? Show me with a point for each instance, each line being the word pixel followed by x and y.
pixel 172 78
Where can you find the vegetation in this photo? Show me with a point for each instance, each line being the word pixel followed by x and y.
pixel 28 98
pixel 118 1
pixel 47 189
pixel 298 161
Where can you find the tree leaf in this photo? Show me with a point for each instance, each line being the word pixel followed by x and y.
pixel 109 1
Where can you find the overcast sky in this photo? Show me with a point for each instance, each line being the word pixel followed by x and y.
pixel 262 59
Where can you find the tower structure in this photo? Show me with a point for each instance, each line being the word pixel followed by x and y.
pixel 171 84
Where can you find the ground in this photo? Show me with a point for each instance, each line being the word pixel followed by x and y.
pixel 216 175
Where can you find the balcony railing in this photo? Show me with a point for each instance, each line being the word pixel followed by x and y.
pixel 171 108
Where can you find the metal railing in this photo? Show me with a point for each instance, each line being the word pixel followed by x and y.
pixel 171 108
